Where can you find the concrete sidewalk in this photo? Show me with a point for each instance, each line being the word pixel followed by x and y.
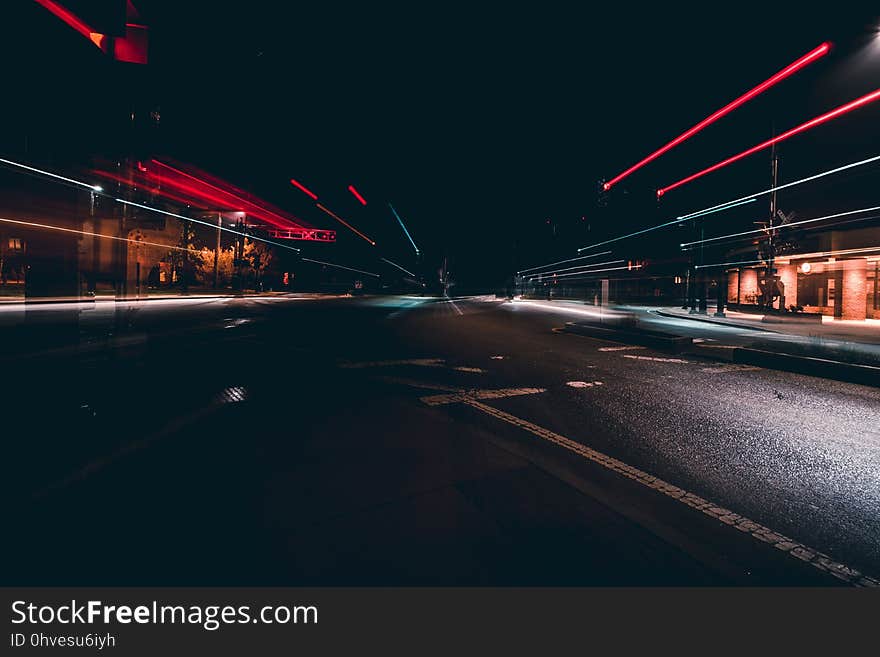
pixel 846 330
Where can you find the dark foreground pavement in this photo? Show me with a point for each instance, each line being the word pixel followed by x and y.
pixel 308 441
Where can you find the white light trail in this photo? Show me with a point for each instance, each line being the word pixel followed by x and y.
pixel 33 224
pixel 94 188
pixel 398 266
pixel 677 220
pixel 789 225
pixel 560 262
pixel 593 271
pixel 581 267
pixel 206 223
pixel 730 264
pixel 331 264
pixel 786 185
pixel 736 202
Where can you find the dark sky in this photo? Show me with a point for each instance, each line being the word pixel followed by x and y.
pixel 480 121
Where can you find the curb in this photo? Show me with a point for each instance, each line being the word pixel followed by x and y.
pixel 821 367
pixel 712 321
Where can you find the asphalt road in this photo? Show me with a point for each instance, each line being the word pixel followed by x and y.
pixel 365 441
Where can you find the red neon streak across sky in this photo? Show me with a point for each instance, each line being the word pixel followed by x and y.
pixel 792 68
pixel 203 197
pixel 74 21
pixel 252 208
pixel 226 192
pixel 304 189
pixel 150 186
pixel 356 195
pixel 843 109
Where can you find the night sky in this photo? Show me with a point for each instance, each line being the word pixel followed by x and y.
pixel 479 123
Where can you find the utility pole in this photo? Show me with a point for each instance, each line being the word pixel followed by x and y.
pixel 770 275
pixel 217 251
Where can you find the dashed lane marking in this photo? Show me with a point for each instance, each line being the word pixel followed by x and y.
pixel 423 362
pixel 626 348
pixel 658 360
pixel 757 531
pixel 467 395
pixel 730 368
pixel 420 362
pixel 583 384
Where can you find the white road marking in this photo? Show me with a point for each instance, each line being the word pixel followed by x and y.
pixel 466 395
pixel 423 362
pixel 730 368
pixel 583 384
pixel 717 346
pixel 757 531
pixel 627 348
pixel 496 357
pixel 658 360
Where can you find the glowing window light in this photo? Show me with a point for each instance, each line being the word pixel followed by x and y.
pixel 398 266
pixel 94 188
pixel 789 225
pixel 303 188
pixel 331 264
pixel 346 224
pixel 792 68
pixel 812 123
pixel 356 195
pixel 561 262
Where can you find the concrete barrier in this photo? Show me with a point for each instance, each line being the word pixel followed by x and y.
pixel 809 365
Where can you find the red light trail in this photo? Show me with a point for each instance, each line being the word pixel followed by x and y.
pixel 303 188
pixel 792 68
pixel 356 195
pixel 256 210
pixel 843 109
pixel 74 21
pixel 345 223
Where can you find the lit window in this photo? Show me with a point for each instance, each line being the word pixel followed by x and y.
pixel 15 244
